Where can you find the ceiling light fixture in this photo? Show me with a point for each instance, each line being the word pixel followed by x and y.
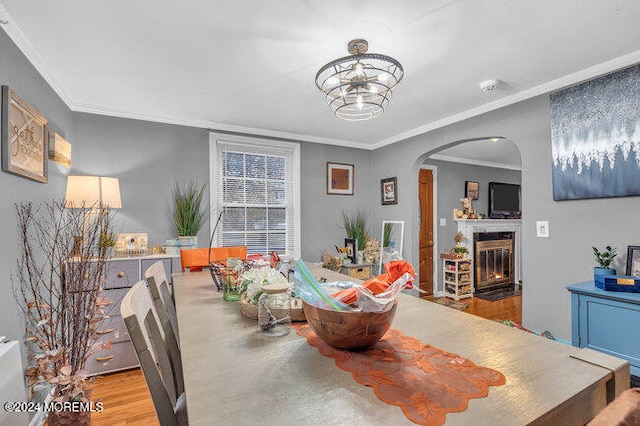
pixel 359 87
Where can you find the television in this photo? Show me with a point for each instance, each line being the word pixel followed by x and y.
pixel 504 200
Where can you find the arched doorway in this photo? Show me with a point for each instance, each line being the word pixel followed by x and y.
pixel 479 161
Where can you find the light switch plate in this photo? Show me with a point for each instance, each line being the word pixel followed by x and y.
pixel 443 221
pixel 542 229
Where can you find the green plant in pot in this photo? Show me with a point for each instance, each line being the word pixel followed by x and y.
pixel 189 213
pixel 356 227
pixel 604 259
pixel 107 243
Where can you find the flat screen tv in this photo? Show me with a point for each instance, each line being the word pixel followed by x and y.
pixel 504 200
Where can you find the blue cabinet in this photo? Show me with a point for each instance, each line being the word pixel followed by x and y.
pixel 606 321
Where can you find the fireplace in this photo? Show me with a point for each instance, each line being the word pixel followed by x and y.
pixel 493 260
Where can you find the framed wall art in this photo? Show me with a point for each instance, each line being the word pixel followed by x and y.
pixel 59 149
pixel 389 191
pixel 340 178
pixel 595 143
pixel 471 189
pixel 633 261
pixel 23 134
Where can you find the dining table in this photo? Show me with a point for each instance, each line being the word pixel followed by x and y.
pixel 233 375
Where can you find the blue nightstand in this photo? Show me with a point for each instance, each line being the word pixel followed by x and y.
pixel 606 321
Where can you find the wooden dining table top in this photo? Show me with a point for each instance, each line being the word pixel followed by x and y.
pixel 235 376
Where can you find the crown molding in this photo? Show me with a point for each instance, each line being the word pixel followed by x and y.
pixel 214 126
pixel 20 39
pixel 482 163
pixel 551 86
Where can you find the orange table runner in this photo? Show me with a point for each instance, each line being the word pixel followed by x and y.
pixel 425 381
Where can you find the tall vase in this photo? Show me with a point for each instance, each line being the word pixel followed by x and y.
pixel 69 418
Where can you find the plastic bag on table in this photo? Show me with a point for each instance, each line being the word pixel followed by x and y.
pixel 382 302
pixel 310 290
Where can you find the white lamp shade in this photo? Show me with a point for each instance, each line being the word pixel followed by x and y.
pixel 92 192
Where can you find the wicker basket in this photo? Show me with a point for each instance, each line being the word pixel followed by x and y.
pixel 250 309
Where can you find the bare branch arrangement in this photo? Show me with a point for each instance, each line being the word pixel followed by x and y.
pixel 57 283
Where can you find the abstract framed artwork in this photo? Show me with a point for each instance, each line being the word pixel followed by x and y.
pixel 595 139
pixel 389 191
pixel 23 132
pixel 633 261
pixel 340 178
pixel 471 189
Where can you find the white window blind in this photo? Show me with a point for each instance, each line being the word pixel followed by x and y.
pixel 255 184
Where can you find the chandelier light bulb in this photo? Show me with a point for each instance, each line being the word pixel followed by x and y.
pixel 359 102
pixel 358 69
pixel 383 77
pixel 373 89
pixel 332 81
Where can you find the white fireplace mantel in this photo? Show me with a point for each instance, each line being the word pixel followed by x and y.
pixel 470 226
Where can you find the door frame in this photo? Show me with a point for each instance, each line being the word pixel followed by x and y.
pixel 436 255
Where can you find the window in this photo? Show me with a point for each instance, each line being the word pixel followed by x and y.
pixel 255 184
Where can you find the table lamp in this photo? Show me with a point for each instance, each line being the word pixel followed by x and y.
pixel 94 193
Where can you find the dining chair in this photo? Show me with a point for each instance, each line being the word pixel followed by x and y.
pixel 155 361
pixel 156 278
pixel 195 259
pixel 165 310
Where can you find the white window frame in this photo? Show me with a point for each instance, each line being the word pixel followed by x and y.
pixel 215 181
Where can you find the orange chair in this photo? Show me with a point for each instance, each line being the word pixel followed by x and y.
pixel 195 259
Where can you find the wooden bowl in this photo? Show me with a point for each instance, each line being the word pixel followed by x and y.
pixel 349 330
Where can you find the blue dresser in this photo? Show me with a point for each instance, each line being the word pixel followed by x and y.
pixel 606 321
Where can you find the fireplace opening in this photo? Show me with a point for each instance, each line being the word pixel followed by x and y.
pixel 493 260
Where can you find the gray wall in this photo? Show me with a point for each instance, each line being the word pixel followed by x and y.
pixel 549 264
pixel 322 213
pixel 17 73
pixel 148 159
pixel 451 178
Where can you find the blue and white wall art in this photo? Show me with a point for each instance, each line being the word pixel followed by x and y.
pixel 595 137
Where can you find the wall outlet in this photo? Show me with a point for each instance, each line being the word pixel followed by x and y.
pixel 443 221
pixel 542 229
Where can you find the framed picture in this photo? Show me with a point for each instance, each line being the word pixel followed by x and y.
pixel 352 246
pixel 389 191
pixel 59 149
pixel 340 178
pixel 471 189
pixel 633 261
pixel 23 132
pixel 590 134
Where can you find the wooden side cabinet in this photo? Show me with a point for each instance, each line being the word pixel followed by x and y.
pixel 606 321
pixel 122 274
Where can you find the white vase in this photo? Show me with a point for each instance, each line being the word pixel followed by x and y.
pixel 188 241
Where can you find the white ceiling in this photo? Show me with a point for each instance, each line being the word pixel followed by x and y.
pixel 249 66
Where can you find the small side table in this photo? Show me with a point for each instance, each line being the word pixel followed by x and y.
pixel 361 271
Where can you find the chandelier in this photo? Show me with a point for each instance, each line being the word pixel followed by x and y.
pixel 359 87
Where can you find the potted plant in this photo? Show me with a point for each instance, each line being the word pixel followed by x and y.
pixel 59 296
pixel 356 227
pixel 189 214
pixel 107 243
pixel 604 259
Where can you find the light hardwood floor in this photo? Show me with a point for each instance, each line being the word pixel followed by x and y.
pixel 126 399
